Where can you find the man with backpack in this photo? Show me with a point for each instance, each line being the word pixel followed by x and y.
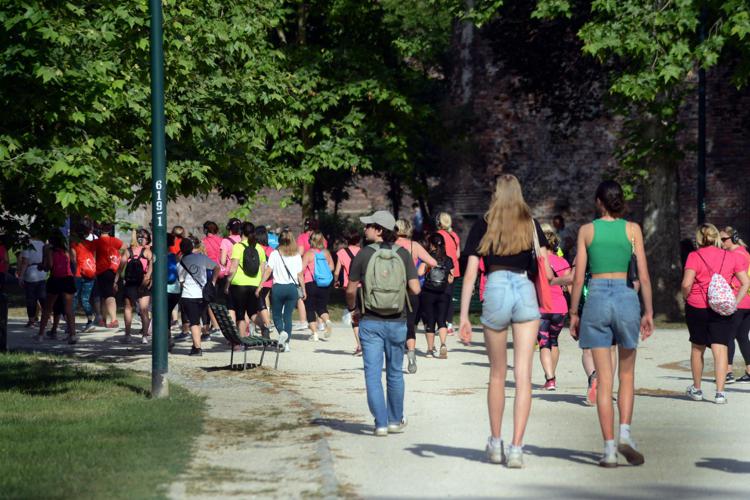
pixel 387 273
pixel 248 260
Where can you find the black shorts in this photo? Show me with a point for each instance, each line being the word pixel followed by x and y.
pixel 244 301
pixel 194 310
pixel 262 300
pixel 317 300
pixel 706 327
pixel 134 293
pixel 106 284
pixel 57 286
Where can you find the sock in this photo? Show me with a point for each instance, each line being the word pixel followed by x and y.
pixel 625 431
pixel 496 441
pixel 609 447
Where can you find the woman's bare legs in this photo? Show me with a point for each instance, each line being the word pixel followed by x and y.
pixel 696 363
pixel 496 344
pixel 626 388
pixel 524 338
pixel 603 364
pixel 721 362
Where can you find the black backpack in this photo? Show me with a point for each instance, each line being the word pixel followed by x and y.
pixel 250 261
pixel 436 279
pixel 134 273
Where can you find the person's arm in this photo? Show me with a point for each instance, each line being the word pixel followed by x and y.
pixel 647 319
pixel 336 272
pixel 234 265
pixel 72 257
pixel 351 295
pixel 329 259
pixel 424 255
pixel 744 284
pixel 457 241
pixel 422 269
pixel 470 278
pixel 414 287
pixel 578 279
pixel 149 255
pixel 688 278
pixel 223 256
pixel 22 265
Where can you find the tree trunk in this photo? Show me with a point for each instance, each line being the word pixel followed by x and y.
pixel 661 230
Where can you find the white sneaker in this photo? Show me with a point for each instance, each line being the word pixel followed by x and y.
pixel 321 327
pixel 694 394
pixel 283 337
pixel 721 398
pixel 515 457
pixel 328 329
pixel 314 337
pixel 608 460
pixel 495 454
pixel 299 327
pixel 144 339
pixel 287 347
pixel 381 431
pixel 397 428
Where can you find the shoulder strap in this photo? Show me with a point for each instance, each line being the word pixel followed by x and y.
pixel 706 263
pixel 191 274
pixel 349 253
pixel 287 270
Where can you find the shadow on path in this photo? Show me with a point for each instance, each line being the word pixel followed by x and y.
pixel 725 465
pixel 336 424
pixel 423 450
pixel 579 457
pixel 573 399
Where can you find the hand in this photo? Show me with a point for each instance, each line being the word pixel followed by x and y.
pixel 464 331
pixel 647 326
pixel 575 323
pixel 304 297
pixel 257 292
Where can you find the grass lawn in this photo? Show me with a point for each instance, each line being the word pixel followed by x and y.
pixel 69 432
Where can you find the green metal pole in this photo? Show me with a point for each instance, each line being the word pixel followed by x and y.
pixel 160 322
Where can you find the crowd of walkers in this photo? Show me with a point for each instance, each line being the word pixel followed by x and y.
pixel 533 280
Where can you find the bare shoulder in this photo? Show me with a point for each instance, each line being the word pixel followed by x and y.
pixel 586 229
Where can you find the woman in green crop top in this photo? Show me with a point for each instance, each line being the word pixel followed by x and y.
pixel 612 312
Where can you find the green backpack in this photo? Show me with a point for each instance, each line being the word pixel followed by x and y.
pixel 384 288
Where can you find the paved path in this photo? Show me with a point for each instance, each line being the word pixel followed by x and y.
pixel 311 427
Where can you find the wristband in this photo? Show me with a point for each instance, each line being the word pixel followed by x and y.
pixel 351 310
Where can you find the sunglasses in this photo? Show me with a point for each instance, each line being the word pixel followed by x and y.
pixel 726 238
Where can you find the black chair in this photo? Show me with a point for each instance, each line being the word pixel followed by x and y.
pixel 229 330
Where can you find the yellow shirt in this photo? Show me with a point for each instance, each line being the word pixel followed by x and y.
pixel 240 278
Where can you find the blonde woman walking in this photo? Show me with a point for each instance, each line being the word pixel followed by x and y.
pixel 504 239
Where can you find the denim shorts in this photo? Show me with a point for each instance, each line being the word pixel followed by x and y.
pixel 509 297
pixel 611 313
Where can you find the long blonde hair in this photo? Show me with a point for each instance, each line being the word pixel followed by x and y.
pixel 287 244
pixel 508 220
pixel 707 236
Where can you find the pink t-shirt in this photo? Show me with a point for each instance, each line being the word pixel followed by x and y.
pixel 212 243
pixel 741 254
pixel 452 243
pixel 561 267
pixel 346 261
pixel 713 257
pixel 226 245
pixel 269 283
pixel 303 242
pixel 60 264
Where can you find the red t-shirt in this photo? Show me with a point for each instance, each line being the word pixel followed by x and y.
pixel 3 259
pixel 741 254
pixel 452 242
pixel 85 260
pixel 107 253
pixel 175 249
pixel 559 304
pixel 705 262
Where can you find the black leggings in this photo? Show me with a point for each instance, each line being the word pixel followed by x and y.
pixel 741 331
pixel 450 312
pixel 317 300
pixel 434 309
pixel 412 318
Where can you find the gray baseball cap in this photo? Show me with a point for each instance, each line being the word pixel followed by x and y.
pixel 382 218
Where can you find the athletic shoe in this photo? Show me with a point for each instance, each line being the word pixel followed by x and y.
pixel 608 460
pixel 381 431
pixel 729 379
pixel 515 457
pixel 744 379
pixel 100 322
pixel 144 339
pixel 397 428
pixel 299 327
pixel 314 337
pixel 196 351
pixel 287 347
pixel 114 324
pixel 550 384
pixel 694 394
pixel 328 329
pixel 721 398
pixel 411 356
pixel 173 323
pixel 357 352
pixel 321 327
pixel 206 337
pixel 30 323
pixel 181 336
pixel 443 352
pixel 627 448
pixel 431 353
pixel 283 337
pixel 51 334
pixel 89 327
pixel 495 454
pixel 591 394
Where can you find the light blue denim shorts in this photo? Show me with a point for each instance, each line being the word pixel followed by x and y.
pixel 509 297
pixel 612 312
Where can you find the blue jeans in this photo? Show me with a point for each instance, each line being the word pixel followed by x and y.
pixel 84 287
pixel 381 338
pixel 283 301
